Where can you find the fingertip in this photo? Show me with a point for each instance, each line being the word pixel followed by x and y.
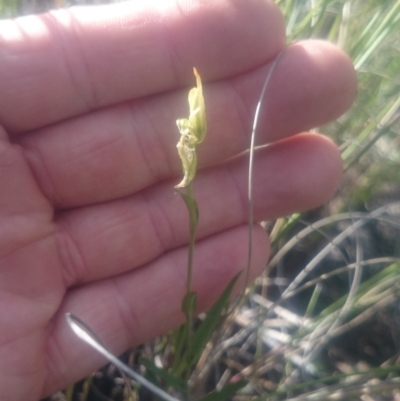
pixel 315 83
pixel 339 69
pixel 321 164
pixel 322 170
pixel 329 176
pixel 296 174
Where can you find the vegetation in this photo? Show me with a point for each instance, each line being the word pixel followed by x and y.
pixel 323 322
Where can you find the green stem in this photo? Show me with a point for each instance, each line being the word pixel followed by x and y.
pixel 189 303
pixel 192 239
pixel 193 217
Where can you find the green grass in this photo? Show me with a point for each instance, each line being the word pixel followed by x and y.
pixel 349 282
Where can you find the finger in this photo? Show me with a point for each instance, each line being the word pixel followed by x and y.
pixel 113 153
pixel 108 239
pixel 25 214
pixel 145 303
pixel 29 290
pixel 68 62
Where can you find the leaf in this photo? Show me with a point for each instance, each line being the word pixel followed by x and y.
pixel 193 209
pixel 197 118
pixel 226 393
pixel 179 345
pixel 193 132
pixel 207 327
pixel 189 304
pixel 164 375
pixel 187 153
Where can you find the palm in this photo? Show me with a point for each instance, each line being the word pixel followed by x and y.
pixel 32 287
pixel 89 162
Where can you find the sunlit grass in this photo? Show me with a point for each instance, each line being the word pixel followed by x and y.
pixel 348 279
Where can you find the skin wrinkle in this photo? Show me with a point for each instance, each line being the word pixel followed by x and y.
pixel 224 149
pixel 18 288
pixel 23 230
pixel 175 62
pixel 147 149
pixel 71 257
pixel 142 276
pixel 19 299
pixel 58 29
pixel 59 320
pixel 55 361
pixel 245 112
pixel 96 148
pixel 125 220
pixel 167 133
pixel 109 230
pixel 228 174
pixel 37 69
pixel 159 218
pixel 179 274
pixel 139 207
pixel 215 126
pixel 96 145
pixel 8 155
pixel 241 195
pixel 166 244
pixel 137 330
pixel 77 305
pixel 171 259
pixel 38 167
pixel 129 318
pixel 170 200
pixel 63 111
pixel 94 97
pixel 84 150
pixel 118 140
pixel 8 345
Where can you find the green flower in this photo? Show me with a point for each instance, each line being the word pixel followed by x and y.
pixel 193 131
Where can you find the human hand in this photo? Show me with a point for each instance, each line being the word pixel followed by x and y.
pixel 90 223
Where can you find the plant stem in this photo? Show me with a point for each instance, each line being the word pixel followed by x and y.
pixel 192 229
pixel 189 303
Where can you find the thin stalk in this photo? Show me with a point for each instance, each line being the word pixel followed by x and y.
pixel 193 131
pixel 189 302
pixel 192 239
pixel 251 165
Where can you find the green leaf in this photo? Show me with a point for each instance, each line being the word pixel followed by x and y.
pixel 226 393
pixel 179 345
pixel 187 153
pixel 197 116
pixel 164 375
pixel 207 327
pixel 193 209
pixel 189 304
pixel 193 132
